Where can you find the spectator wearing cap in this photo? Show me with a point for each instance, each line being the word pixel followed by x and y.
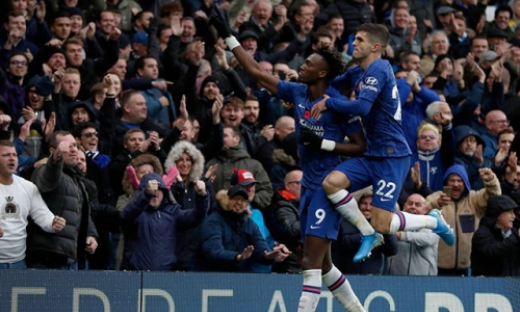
pixel 189 163
pixel 234 156
pixel 48 60
pixel 246 179
pixel 445 15
pixel 97 152
pixel 503 15
pixel 231 241
pixel 436 44
pixel 469 153
pixel 285 223
pixel 462 210
pixel 487 59
pixel 496 37
pixel 151 222
pixel 90 70
pixel 140 44
pixel 496 243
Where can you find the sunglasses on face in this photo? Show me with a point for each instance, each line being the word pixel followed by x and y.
pixel 90 134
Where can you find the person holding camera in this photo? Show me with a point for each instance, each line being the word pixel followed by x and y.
pixel 462 208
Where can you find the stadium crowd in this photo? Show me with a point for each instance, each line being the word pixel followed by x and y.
pixel 132 139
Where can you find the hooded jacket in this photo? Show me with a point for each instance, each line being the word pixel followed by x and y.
pixel 492 253
pixel 237 158
pixel 469 163
pixel 151 234
pixel 225 234
pixel 463 215
pixel 185 195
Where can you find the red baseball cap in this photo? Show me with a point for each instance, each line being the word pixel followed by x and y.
pixel 242 177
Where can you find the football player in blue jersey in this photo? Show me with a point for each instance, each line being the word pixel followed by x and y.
pixel 319 220
pixel 387 159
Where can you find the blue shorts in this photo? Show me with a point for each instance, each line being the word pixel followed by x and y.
pixel 317 215
pixel 386 175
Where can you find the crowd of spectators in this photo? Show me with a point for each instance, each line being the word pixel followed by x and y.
pixel 131 138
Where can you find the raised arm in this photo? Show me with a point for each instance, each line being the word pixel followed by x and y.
pixel 267 80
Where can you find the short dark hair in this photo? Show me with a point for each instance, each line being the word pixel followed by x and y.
pixel 323 31
pixel 130 131
pixel 127 95
pixel 139 64
pixel 13 14
pixel 334 61
pixel 76 132
pixel 53 140
pixel 335 16
pixel 15 53
pixel 405 57
pixel 376 34
pixel 60 14
pixel 236 131
pixel 502 8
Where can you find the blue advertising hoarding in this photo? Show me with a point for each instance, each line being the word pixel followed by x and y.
pixel 108 291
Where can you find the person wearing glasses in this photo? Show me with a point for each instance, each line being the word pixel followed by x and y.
pixel 231 241
pixel 12 82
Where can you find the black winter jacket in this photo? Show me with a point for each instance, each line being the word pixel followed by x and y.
pixel 63 190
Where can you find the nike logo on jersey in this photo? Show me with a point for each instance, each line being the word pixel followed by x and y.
pixel 301 106
pixel 313 227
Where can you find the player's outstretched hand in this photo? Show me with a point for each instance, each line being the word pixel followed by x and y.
pixel 319 107
pixel 309 139
pixel 221 27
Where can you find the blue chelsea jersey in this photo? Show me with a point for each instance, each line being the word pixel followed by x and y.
pixel 384 134
pixel 316 164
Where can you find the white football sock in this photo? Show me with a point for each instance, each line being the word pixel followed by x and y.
pixel 403 221
pixel 342 291
pixel 347 206
pixel 311 291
